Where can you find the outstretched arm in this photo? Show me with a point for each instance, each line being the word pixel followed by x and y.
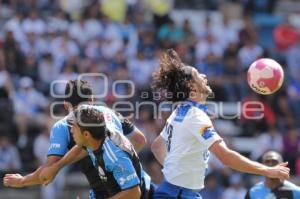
pixel 19 181
pixel 48 173
pixel 240 163
pixel 135 136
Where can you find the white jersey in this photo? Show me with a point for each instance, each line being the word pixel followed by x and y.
pixel 188 134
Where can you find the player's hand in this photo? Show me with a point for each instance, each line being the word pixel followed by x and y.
pixel 13 180
pixel 280 171
pixel 48 174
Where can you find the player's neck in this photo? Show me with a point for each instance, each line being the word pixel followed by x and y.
pixel 94 144
pixel 272 183
pixel 198 98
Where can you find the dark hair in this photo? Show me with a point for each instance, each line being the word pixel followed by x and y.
pixel 171 77
pixel 92 120
pixel 78 91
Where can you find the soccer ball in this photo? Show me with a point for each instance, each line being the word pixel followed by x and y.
pixel 265 76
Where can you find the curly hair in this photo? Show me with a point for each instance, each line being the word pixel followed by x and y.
pixel 171 77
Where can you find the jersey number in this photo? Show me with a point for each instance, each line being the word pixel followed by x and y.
pixel 169 129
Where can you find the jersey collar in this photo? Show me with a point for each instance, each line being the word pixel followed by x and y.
pixel 202 107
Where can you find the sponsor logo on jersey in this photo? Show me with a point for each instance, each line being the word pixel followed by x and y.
pixel 55 146
pixel 130 177
pixel 207 132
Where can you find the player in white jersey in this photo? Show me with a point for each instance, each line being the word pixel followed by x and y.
pixel 184 144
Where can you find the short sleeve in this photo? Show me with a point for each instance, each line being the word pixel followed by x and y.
pixel 164 133
pixel 202 128
pixel 125 173
pixel 59 140
pixel 296 192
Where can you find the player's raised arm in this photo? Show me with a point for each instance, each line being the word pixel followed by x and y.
pixel 135 136
pixel 48 173
pixel 137 139
pixel 238 162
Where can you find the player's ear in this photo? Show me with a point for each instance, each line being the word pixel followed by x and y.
pixel 193 86
pixel 86 134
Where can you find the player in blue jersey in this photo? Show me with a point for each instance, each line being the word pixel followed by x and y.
pixel 116 161
pixel 273 187
pixel 61 140
pixel 184 145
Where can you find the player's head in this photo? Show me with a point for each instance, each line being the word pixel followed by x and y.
pixel 272 158
pixel 88 124
pixel 181 81
pixel 76 92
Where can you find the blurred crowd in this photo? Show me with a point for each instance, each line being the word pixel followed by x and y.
pixel 42 41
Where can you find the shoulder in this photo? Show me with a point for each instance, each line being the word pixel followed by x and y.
pixel 189 113
pixel 59 138
pixel 256 191
pixel 60 124
pixel 112 153
pixel 60 130
pixel 257 187
pixel 108 113
pixel 62 121
pixel 198 117
pixel 292 186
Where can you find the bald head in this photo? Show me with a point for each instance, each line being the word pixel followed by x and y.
pixel 272 158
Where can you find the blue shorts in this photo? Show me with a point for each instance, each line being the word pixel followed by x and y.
pixel 167 190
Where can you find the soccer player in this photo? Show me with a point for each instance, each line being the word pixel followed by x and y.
pixel 118 166
pixel 273 187
pixel 188 137
pixel 77 91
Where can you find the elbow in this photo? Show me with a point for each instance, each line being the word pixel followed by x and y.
pixel 142 141
pixel 138 193
pixel 139 140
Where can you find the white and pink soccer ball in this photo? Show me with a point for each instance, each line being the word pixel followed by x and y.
pixel 265 76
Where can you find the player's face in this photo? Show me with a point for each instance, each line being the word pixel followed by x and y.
pixel 201 82
pixel 271 160
pixel 77 135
